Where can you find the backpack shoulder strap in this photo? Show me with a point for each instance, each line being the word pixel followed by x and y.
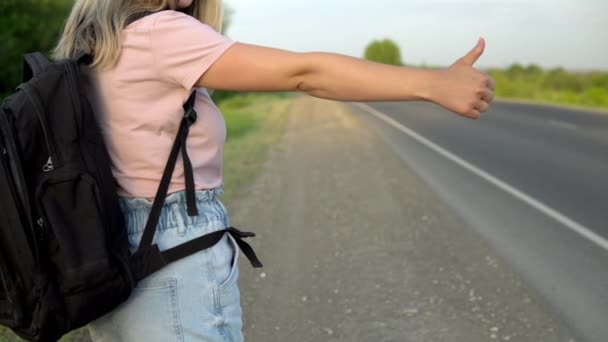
pixel 33 63
pixel 136 16
pixel 148 258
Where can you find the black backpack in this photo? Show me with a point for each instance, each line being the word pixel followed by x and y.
pixel 64 256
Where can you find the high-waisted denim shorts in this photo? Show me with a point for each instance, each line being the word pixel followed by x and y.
pixel 193 299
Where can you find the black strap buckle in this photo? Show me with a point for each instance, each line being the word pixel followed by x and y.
pixel 190 117
pixel 146 261
pixel 245 247
pixel 189 112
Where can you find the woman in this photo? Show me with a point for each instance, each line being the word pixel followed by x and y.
pixel 146 70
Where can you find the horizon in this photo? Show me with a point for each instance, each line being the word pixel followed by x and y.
pixel 571 32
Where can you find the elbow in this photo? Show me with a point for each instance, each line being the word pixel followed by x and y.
pixel 309 88
pixel 303 75
pixel 303 86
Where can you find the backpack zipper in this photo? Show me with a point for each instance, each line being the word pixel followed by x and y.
pixel 6 155
pixel 5 287
pixel 14 171
pixel 48 166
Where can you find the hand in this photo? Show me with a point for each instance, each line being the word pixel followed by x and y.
pixel 463 89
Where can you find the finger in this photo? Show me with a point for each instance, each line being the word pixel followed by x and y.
pixel 490 83
pixel 482 106
pixel 472 57
pixel 473 114
pixel 488 96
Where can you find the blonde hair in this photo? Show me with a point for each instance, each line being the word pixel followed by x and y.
pixel 94 26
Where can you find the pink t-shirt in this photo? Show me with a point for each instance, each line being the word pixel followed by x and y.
pixel 162 57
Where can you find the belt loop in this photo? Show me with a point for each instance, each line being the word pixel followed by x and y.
pixel 179 217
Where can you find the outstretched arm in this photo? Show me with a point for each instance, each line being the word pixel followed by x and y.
pixel 459 88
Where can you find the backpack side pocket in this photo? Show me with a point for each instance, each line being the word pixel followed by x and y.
pixel 14 247
pixel 73 225
pixel 90 281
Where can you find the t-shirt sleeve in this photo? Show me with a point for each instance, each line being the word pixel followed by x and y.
pixel 185 48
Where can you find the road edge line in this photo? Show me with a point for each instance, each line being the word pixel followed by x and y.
pixel 545 209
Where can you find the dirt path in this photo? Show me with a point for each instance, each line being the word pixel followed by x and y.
pixel 357 248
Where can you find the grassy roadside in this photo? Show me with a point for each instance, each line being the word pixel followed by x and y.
pixel 254 122
pixel 557 86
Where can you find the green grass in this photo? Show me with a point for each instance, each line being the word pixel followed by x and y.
pixel 257 122
pixel 239 118
pixel 556 86
pixel 81 335
pixel 254 122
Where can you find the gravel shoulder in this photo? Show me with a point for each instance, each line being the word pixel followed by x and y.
pixel 357 248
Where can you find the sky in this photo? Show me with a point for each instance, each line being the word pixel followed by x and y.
pixel 551 33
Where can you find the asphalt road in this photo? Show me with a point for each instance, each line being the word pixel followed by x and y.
pixel 531 180
pixel 558 156
pixel 360 244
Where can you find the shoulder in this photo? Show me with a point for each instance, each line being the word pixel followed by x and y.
pixel 165 20
pixel 170 19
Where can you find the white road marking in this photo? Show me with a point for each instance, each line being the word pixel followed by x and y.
pixel 563 124
pixel 554 214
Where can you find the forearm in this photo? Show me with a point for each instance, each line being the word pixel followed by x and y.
pixel 345 78
pixel 459 88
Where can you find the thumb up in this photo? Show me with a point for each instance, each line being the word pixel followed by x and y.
pixel 472 57
pixel 461 88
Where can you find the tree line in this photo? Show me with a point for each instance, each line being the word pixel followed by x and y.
pixel 523 82
pixel 27 26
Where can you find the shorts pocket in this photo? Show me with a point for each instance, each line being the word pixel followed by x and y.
pixel 228 262
pixel 150 314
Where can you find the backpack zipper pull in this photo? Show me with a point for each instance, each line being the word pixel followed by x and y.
pixel 48 167
pixel 41 229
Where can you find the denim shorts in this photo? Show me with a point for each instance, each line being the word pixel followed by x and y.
pixel 193 299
